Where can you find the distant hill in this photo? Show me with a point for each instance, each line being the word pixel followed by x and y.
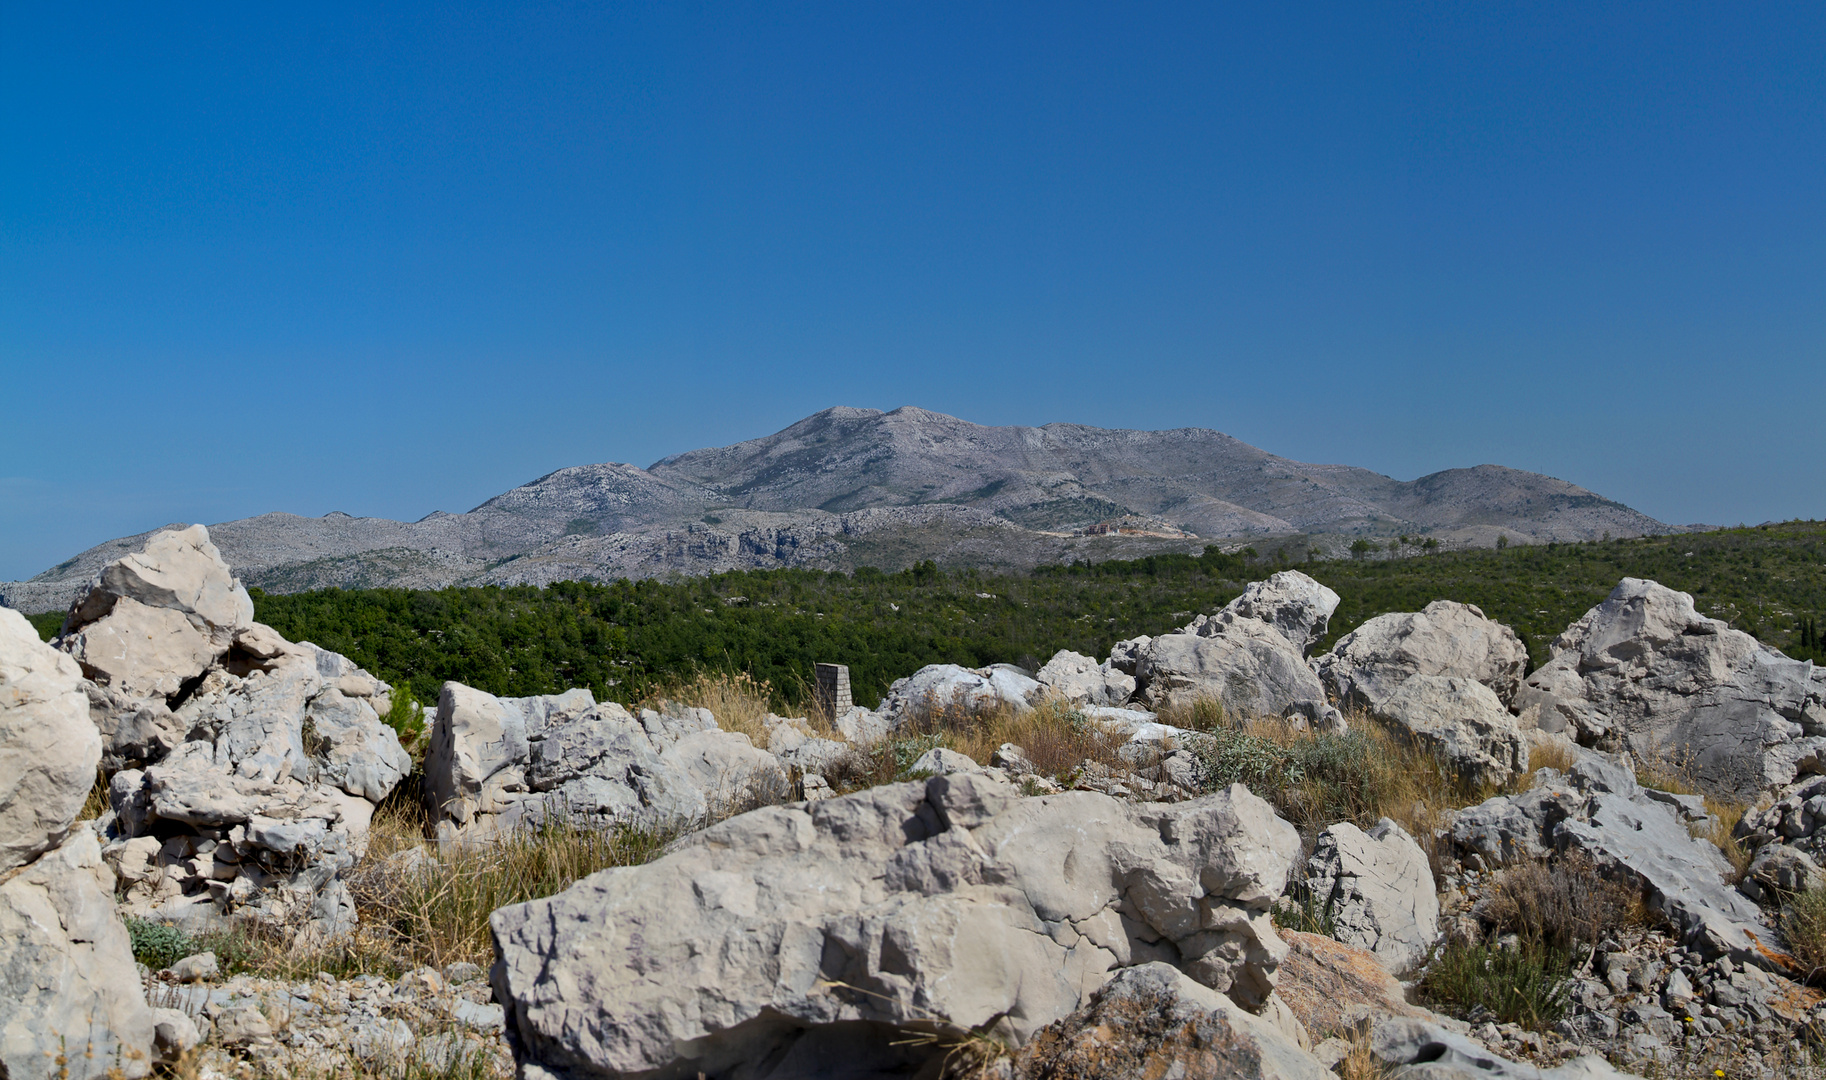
pixel 860 487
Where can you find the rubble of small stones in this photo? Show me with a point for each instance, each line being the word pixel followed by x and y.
pixel 437 1022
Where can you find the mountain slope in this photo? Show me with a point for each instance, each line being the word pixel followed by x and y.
pixel 850 487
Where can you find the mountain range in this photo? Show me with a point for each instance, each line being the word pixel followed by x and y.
pixel 859 487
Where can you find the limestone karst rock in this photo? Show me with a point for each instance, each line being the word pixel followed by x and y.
pixel 939 687
pixel 1445 638
pixel 1633 834
pixel 1081 680
pixel 1378 889
pixel 1250 667
pixel 495 762
pixel 1645 671
pixel 1151 1020
pixel 1295 605
pixel 245 767
pixel 48 748
pixel 70 1000
pixel 153 617
pixel 1462 722
pixel 844 925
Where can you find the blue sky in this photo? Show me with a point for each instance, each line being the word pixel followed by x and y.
pixel 390 260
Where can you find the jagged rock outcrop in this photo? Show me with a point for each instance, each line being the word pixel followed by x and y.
pixel 1081 680
pixel 1645 671
pixel 938 687
pixel 494 763
pixel 1445 638
pixel 154 618
pixel 1249 667
pixel 70 1000
pixel 1249 657
pixel 1378 890
pixel 1293 604
pixel 1462 722
pixel 767 943
pixel 1632 834
pixel 245 768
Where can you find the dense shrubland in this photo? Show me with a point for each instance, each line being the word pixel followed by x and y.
pixel 623 639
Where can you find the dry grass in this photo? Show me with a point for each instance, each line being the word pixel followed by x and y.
pixel 1725 816
pixel 97 802
pixel 1056 738
pixel 738 701
pixel 422 906
pixel 1314 778
pixel 1565 905
pixel 1200 714
pixel 1550 755
pixel 1804 925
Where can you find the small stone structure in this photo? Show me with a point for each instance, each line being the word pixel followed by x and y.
pixel 834 689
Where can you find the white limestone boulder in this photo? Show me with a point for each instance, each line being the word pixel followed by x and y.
pixel 1631 834
pixel 48 747
pixel 1293 604
pixel 152 618
pixel 1378 890
pixel 1081 680
pixel 938 688
pixel 1249 667
pixel 1461 721
pixel 1646 671
pixel 792 934
pixel 71 1005
pixel 1445 638
pixel 495 763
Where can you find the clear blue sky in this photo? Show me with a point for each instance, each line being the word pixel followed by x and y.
pixel 387 261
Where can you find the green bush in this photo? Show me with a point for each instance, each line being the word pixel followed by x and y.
pixel 1527 985
pixel 158 945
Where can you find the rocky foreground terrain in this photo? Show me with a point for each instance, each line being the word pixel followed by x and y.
pixel 824 909
pixel 858 487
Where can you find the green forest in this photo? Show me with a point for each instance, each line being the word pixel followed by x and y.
pixel 624 639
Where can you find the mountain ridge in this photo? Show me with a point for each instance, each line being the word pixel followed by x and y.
pixel 847 484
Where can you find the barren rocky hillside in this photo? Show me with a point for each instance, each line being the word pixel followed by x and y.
pixel 860 487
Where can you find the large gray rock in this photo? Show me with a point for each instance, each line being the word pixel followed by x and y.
pixel 1446 638
pixel 1294 605
pixel 48 747
pixel 1083 681
pixel 1152 1021
pixel 946 906
pixel 1245 664
pixel 1631 834
pixel 1379 891
pixel 941 687
pixel 496 763
pixel 153 617
pixel 1645 671
pixel 1461 721
pixel 70 999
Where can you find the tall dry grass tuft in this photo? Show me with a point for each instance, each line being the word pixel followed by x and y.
pixel 433 906
pixel 1565 905
pixel 1316 778
pixel 738 701
pixel 1055 737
